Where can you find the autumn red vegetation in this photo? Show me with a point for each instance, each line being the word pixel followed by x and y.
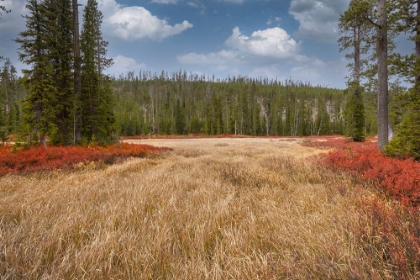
pixel 399 178
pixel 392 232
pixel 36 158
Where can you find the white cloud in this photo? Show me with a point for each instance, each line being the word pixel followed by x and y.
pixel 318 19
pixel 262 46
pixel 272 42
pixel 262 51
pixel 123 64
pixel 165 1
pixel 131 23
pixel 220 58
pixel 134 22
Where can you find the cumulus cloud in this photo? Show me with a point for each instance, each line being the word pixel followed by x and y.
pixel 262 46
pixel 132 23
pixel 123 64
pixel 318 19
pixel 272 42
pixel 262 51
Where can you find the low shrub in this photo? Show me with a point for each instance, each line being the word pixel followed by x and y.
pixel 399 178
pixel 390 236
pixel 37 158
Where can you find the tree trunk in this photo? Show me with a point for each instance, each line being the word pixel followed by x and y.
pixel 357 39
pixel 382 75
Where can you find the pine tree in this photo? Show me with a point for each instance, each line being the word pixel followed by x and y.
pixel 59 15
pixel 9 110
pixel 39 110
pixel 406 142
pixel 96 100
pixel 179 118
pixel 355 35
pixel 373 15
pixel 355 114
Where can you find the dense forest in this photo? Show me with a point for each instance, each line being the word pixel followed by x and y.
pixel 66 97
pixel 182 103
pixel 185 103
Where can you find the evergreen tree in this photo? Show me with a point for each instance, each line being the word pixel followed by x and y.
pixel 96 100
pixel 39 110
pixel 59 15
pixel 9 95
pixel 355 35
pixel 406 142
pixel 179 118
pixel 355 114
pixel 371 15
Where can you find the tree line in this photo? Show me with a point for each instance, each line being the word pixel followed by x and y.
pixel 182 103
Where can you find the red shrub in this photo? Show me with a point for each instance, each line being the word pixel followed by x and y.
pixel 39 158
pixel 390 235
pixel 399 178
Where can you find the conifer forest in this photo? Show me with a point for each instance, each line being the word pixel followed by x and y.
pixel 66 96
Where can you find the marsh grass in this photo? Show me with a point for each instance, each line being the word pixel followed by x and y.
pixel 251 209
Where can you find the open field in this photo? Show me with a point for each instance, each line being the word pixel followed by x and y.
pixel 247 208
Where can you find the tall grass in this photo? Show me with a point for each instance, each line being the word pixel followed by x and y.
pixel 210 209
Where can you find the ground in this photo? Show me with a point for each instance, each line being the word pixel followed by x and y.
pixel 239 208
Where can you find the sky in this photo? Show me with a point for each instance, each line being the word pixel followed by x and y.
pixel 274 39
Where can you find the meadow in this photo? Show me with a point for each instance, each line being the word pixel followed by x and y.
pixel 220 208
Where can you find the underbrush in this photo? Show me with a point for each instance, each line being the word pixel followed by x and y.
pixel 389 234
pixel 388 228
pixel 25 160
pixel 398 178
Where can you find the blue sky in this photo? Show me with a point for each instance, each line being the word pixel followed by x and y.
pixel 277 39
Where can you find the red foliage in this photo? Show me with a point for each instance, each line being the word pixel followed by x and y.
pixel 391 235
pixel 50 158
pixel 398 178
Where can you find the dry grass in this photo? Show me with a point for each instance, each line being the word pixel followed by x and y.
pixel 211 209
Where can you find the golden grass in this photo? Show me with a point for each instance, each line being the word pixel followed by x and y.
pixel 210 209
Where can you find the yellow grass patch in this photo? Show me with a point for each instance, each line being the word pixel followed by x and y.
pixel 210 209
